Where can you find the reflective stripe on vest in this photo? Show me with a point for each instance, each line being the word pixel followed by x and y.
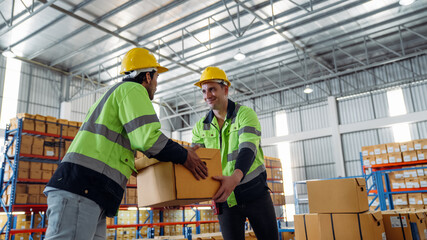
pixel 98 166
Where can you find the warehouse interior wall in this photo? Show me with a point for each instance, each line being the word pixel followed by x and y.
pixel 360 97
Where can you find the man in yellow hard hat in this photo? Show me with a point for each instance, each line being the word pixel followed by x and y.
pixel 236 131
pixel 89 184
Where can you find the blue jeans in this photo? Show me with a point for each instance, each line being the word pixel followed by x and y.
pixel 74 217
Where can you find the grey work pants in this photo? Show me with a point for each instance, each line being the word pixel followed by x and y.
pixel 74 217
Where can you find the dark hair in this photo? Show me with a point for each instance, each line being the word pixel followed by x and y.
pixel 140 78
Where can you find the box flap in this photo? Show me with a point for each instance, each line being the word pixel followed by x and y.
pixel 144 161
pixel 361 181
pixel 207 153
pixel 377 216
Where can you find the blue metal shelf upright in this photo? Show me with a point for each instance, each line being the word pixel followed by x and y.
pixel 11 137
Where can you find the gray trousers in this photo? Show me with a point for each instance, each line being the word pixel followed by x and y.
pixel 74 217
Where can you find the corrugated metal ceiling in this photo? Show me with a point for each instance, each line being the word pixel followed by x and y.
pixel 202 33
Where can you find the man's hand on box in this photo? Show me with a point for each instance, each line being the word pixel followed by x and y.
pixel 228 184
pixel 195 165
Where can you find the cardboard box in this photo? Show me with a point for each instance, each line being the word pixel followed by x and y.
pixel 409 156
pixel 381 159
pixel 409 173
pixel 21 188
pixel 367 150
pixel 132 180
pixel 35 165
pixel 33 198
pixel 420 144
pixel 168 184
pixel 51 126
pixel 26 144
pixel 36 174
pixel 393 147
pixel 397 183
pixel 34 189
pixel 21 198
pixel 415 200
pixel 49 147
pixel 424 195
pixel 62 125
pixel 337 196
pixel 23 174
pixel 37 148
pixel 423 181
pixel 380 149
pixel 422 154
pixel 419 218
pixel 395 157
pixel 396 175
pixel 369 160
pixel 67 145
pixel 46 174
pixel 407 146
pixel 396 225
pixel 367 226
pixel 47 166
pixel 40 123
pixel 400 200
pixel 23 165
pixel 420 172
pixel 42 199
pixel 27 121
pixel 412 183
pixel 73 128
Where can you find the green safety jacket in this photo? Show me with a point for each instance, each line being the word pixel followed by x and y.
pixel 101 157
pixel 239 142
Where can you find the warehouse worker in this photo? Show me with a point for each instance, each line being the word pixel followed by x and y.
pixel 90 181
pixel 236 131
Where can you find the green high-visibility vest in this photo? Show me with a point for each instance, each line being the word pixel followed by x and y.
pixel 121 121
pixel 240 130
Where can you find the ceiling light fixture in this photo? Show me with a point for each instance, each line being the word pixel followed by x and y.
pixel 8 53
pixel 406 2
pixel 308 89
pixel 239 56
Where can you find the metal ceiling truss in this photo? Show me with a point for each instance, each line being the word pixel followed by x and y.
pixel 234 33
pixel 11 25
pixel 363 67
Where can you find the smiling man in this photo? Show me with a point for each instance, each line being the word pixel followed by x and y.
pixel 236 131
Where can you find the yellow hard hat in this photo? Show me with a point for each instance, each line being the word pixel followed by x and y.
pixel 212 73
pixel 140 58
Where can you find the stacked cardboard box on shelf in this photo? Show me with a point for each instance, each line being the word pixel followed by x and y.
pixel 46 124
pixel 391 153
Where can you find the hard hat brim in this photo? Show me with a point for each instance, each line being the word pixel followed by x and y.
pixel 161 69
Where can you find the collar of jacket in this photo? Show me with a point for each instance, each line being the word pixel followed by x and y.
pixel 231 112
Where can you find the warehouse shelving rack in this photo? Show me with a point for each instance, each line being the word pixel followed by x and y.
pixel 384 192
pixel 13 137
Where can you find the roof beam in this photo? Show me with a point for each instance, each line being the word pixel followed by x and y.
pixel 115 34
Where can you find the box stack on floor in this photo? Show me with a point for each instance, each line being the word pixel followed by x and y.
pixel 339 210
